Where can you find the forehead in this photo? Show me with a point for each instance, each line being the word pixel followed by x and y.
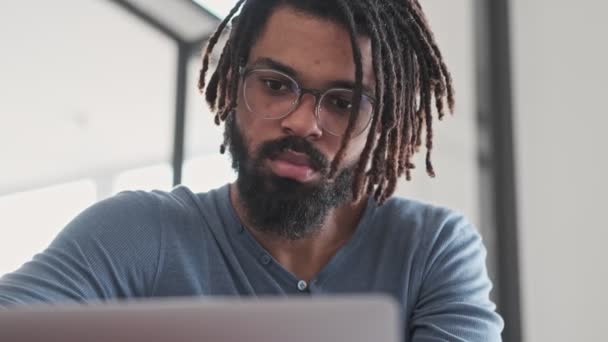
pixel 318 49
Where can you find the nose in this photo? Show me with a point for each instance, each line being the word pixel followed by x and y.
pixel 302 121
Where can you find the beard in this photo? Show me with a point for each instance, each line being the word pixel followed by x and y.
pixel 281 206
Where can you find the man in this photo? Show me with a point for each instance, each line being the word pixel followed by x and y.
pixel 324 104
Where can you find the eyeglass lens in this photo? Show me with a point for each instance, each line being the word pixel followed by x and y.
pixel 274 95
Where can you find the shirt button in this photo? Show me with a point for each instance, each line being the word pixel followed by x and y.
pixel 265 259
pixel 302 285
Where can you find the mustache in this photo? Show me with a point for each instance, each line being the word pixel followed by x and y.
pixel 271 149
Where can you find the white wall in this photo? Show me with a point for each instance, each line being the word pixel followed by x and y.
pixel 455 153
pixel 561 121
pixel 455 156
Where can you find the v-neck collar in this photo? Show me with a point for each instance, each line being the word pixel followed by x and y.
pixel 238 231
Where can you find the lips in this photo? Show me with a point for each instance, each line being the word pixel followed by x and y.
pixel 295 158
pixel 292 165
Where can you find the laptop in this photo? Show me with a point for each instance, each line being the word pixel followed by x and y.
pixel 318 319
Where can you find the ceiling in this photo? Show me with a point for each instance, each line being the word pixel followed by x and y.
pixel 188 20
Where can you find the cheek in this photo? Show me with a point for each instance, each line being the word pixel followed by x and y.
pixel 247 123
pixel 258 128
pixel 355 149
pixel 353 153
pixel 252 131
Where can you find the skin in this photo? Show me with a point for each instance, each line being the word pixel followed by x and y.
pixel 320 52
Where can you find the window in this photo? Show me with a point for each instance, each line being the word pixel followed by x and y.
pixel 156 177
pixel 30 220
pixel 82 102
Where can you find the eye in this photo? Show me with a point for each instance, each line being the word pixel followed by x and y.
pixel 275 85
pixel 340 104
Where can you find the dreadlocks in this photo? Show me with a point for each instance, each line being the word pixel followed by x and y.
pixel 411 79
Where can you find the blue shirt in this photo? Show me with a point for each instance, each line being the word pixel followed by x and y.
pixel 161 244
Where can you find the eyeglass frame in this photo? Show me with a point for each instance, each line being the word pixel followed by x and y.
pixel 316 93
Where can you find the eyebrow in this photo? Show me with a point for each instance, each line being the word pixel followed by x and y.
pixel 286 69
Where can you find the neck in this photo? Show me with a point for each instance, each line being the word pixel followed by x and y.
pixel 305 257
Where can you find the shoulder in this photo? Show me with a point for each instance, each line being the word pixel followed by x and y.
pixel 423 234
pixel 134 214
pixel 428 223
pixel 179 203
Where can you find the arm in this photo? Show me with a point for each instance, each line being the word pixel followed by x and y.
pixel 453 303
pixel 109 251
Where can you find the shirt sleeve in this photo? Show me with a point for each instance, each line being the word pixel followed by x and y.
pixel 454 299
pixel 111 250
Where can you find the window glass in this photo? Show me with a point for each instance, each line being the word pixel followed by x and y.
pixel 30 220
pixel 208 172
pixel 87 90
pixel 205 168
pixel 79 97
pixel 156 177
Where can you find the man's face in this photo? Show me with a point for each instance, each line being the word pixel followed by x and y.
pixel 283 163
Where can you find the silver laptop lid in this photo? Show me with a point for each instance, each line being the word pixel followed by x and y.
pixel 319 319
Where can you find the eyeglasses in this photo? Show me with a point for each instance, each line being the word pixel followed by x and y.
pixel 274 95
